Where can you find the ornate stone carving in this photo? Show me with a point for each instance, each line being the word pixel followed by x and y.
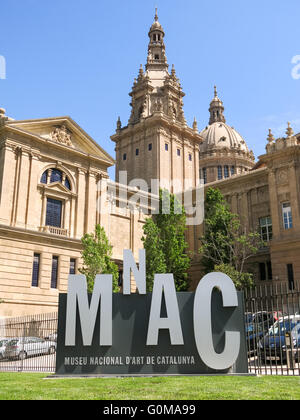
pixel 62 135
pixel 282 176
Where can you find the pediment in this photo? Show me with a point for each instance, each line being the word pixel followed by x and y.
pixel 63 131
pixel 56 189
pixel 57 186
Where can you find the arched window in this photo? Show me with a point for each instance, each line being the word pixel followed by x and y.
pixel 55 175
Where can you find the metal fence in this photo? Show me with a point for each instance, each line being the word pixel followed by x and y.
pixel 28 344
pixel 272 322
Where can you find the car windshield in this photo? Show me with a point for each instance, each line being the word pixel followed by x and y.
pixel 281 327
pixel 12 343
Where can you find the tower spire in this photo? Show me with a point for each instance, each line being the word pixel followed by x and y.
pixel 216 93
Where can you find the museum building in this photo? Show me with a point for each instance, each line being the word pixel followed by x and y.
pixel 54 187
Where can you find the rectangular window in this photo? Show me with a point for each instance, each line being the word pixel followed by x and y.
pixel 72 266
pixel 166 147
pixel 269 269
pixel 137 151
pixel 35 270
pixel 178 152
pixel 232 170
pixel 190 157
pixel 204 175
pixel 265 224
pixel 54 272
pixel 53 213
pixel 290 273
pixel 226 171
pixel 287 216
pixel 150 147
pixel 124 156
pixel 262 271
pixel 220 172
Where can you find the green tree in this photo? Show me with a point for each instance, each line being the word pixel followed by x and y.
pixel 96 255
pixel 165 244
pixel 225 243
pixel 155 259
pixel 240 280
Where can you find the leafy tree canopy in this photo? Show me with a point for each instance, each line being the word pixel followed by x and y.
pixel 96 255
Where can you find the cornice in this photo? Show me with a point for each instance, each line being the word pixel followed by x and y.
pixel 239 179
pixel 152 121
pixel 40 238
pixel 54 145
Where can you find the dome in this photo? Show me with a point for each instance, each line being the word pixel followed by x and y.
pixel 219 135
pixel 156 26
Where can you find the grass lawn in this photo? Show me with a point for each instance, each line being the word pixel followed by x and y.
pixel 33 386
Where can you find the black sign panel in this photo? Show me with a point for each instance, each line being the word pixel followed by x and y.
pixel 129 354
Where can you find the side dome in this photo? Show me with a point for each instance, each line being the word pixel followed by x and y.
pixel 223 152
pixel 219 135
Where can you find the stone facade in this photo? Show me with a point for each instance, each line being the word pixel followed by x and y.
pixel 54 187
pixel 32 153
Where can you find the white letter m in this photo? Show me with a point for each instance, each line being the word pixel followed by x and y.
pixel 77 294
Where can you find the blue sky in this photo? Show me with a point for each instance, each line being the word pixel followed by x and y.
pixel 79 58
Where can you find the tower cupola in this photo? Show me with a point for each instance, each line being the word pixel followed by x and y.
pixel 216 109
pixel 156 59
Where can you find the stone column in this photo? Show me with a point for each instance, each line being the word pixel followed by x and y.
pixel 294 193
pixel 274 205
pixel 102 203
pixel 34 202
pixel 7 187
pixel 90 221
pixel 80 204
pixel 22 188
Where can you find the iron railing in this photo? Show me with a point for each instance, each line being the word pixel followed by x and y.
pixel 272 322
pixel 28 344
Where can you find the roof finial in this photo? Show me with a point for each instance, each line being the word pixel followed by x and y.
pixel 195 125
pixel 156 17
pixel 216 93
pixel 270 138
pixel 289 130
pixel 119 124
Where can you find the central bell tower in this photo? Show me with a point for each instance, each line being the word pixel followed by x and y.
pixel 157 142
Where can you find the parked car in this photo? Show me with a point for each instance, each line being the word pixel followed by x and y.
pixel 257 325
pixel 51 337
pixel 273 345
pixel 3 342
pixel 28 346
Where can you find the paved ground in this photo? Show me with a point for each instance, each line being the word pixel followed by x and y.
pixel 46 363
